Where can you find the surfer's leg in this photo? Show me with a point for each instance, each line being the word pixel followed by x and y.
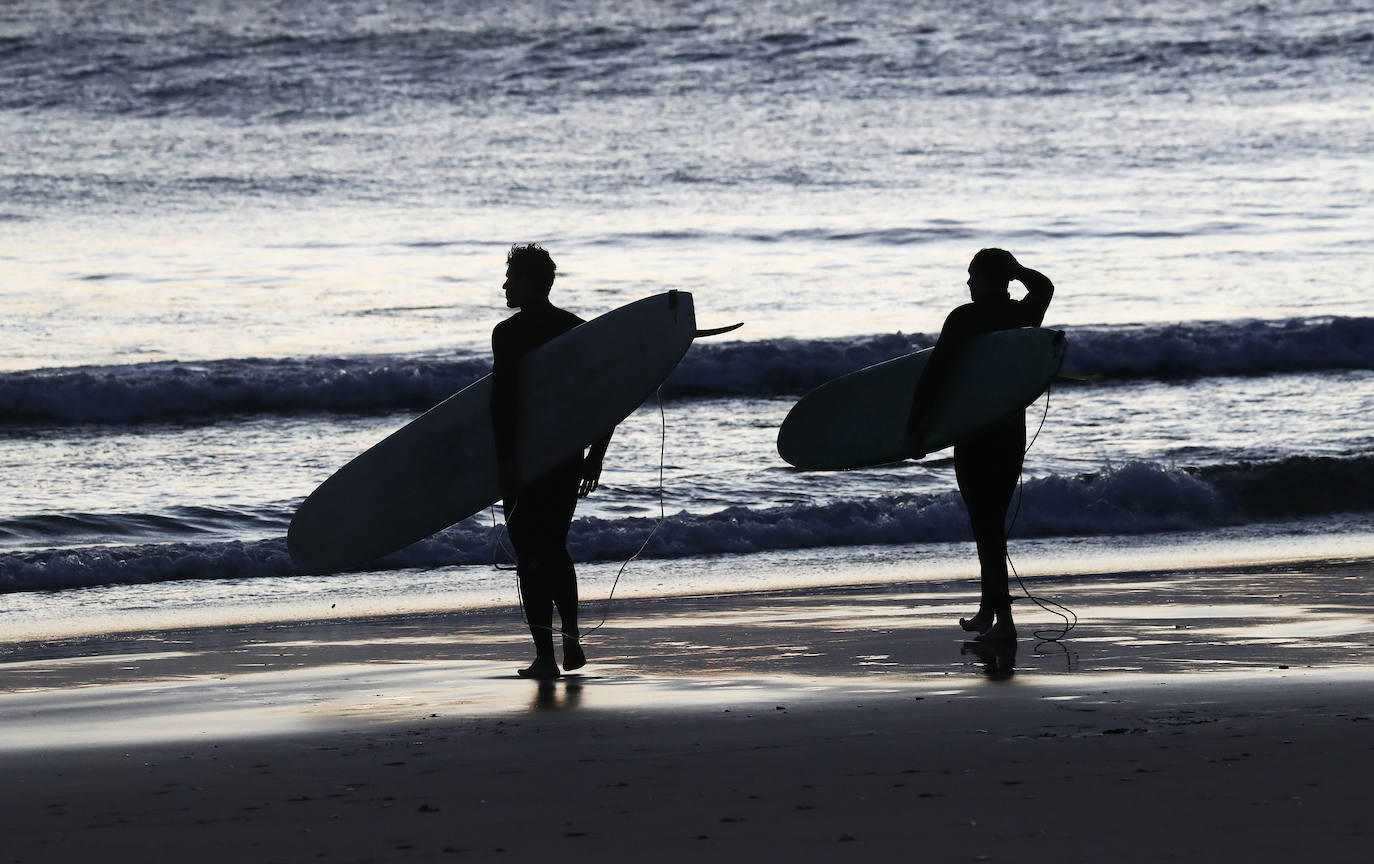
pixel 1007 473
pixel 980 491
pixel 987 473
pixel 538 605
pixel 561 578
pixel 561 574
pixel 538 609
pixel 564 581
pixel 527 532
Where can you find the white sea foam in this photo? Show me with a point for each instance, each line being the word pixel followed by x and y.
pixel 1136 498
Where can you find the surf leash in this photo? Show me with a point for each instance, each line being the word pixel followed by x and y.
pixel 1069 616
pixel 662 511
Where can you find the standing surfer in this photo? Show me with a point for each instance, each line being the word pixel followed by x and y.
pixel 988 466
pixel 538 513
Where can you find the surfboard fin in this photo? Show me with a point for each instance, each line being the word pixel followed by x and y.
pixel 716 331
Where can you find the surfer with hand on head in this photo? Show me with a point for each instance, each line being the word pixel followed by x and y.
pixel 539 512
pixel 987 466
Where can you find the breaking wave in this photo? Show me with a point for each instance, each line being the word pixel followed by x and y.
pixel 1135 498
pixel 151 392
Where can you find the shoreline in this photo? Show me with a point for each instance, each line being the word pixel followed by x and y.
pixel 1275 617
pixel 1190 714
pixel 77 613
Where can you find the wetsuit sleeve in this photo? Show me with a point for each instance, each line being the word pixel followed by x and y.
pixel 957 330
pixel 1039 292
pixel 505 368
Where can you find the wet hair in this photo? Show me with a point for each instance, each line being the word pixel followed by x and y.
pixel 532 260
pixel 995 262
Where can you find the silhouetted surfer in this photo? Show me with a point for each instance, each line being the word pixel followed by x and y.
pixel 989 466
pixel 538 514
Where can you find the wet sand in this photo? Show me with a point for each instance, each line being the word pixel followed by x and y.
pixel 1190 714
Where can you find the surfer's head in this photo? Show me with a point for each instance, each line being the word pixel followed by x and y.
pixel 529 275
pixel 989 273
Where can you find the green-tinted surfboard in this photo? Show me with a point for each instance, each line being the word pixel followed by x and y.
pixel 859 420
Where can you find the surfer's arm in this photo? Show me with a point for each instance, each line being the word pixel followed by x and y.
pixel 591 466
pixel 1039 292
pixel 504 382
pixel 932 381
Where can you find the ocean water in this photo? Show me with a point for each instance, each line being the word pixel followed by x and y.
pixel 242 242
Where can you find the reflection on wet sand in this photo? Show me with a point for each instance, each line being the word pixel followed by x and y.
pixel 563 693
pixel 997 658
pixel 753 652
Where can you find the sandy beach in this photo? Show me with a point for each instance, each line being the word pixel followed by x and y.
pixel 1191 714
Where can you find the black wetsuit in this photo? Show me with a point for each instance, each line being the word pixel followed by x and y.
pixel 987 467
pixel 538 519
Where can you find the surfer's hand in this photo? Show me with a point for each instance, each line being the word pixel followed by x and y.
pixel 591 477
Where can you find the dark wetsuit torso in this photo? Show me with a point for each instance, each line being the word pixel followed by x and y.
pixel 510 342
pixel 987 466
pixel 538 519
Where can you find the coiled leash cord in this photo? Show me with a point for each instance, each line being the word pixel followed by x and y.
pixel 1069 616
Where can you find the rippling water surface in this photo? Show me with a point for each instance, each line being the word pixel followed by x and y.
pixel 242 244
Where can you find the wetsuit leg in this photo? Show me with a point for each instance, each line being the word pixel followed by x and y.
pixel 560 575
pixel 987 470
pixel 538 530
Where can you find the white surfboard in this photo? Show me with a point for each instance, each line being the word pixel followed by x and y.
pixel 441 467
pixel 859 420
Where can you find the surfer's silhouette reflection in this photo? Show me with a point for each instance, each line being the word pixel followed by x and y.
pixel 998 658
pixel 546 698
pixel 538 512
pixel 988 466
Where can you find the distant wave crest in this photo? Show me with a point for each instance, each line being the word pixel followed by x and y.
pixel 150 392
pixel 147 392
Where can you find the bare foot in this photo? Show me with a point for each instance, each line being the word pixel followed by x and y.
pixel 1002 631
pixel 573 658
pixel 542 668
pixel 982 622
